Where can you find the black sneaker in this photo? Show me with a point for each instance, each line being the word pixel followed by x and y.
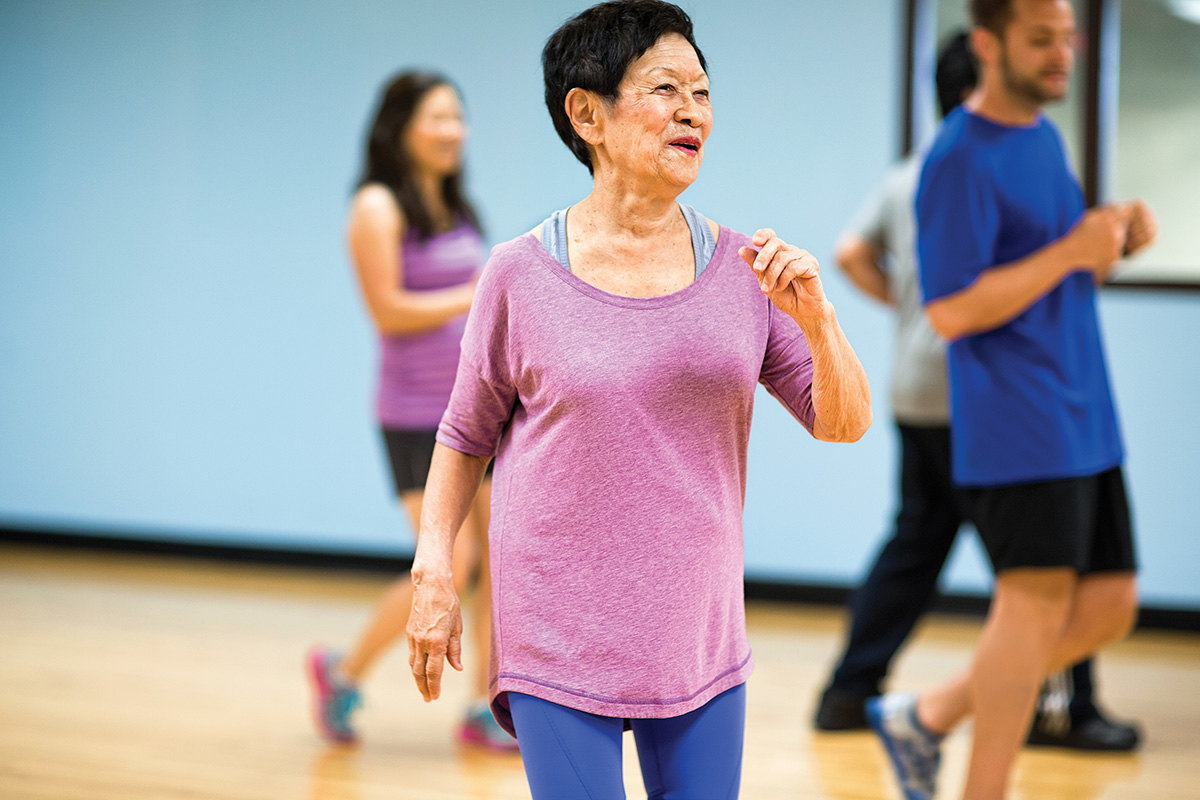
pixel 840 710
pixel 1093 732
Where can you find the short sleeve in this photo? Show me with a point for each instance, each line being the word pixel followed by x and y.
pixel 484 394
pixel 957 223
pixel 787 371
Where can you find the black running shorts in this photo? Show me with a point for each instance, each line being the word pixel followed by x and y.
pixel 1082 523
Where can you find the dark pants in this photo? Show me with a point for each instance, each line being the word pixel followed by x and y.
pixel 903 580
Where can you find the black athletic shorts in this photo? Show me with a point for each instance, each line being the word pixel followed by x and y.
pixel 409 453
pixel 1082 523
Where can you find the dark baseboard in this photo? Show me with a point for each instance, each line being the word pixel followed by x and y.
pixel 1149 617
pixel 839 595
pixel 207 550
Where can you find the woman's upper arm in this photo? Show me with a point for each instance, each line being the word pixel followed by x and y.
pixel 787 370
pixel 373 234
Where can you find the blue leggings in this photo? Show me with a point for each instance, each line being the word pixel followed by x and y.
pixel 573 755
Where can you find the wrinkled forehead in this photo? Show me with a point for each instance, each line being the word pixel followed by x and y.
pixel 671 57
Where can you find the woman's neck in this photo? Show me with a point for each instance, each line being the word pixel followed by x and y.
pixel 630 241
pixel 429 187
pixel 617 208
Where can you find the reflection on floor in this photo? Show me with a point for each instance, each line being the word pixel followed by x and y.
pixel 126 677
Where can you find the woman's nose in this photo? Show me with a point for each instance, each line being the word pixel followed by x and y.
pixel 690 112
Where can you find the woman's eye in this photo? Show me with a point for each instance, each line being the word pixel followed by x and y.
pixel 666 87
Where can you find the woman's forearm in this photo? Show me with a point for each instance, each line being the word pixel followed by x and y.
pixel 435 623
pixel 841 394
pixel 453 481
pixel 408 312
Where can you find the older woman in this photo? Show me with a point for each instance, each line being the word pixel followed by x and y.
pixel 609 365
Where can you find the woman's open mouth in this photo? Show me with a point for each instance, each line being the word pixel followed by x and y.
pixel 688 144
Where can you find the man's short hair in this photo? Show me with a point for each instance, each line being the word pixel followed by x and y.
pixel 992 15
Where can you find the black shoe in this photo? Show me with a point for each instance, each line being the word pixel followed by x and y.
pixel 1093 732
pixel 840 710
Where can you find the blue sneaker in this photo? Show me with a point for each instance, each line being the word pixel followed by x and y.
pixel 481 729
pixel 915 753
pixel 334 700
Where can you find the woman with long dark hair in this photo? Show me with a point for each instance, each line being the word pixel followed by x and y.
pixel 415 243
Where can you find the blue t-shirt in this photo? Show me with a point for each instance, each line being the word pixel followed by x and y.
pixel 1030 400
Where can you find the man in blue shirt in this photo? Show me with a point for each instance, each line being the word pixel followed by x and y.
pixel 1009 262
pixel 878 253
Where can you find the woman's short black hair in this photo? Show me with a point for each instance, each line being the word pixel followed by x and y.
pixel 957 71
pixel 593 50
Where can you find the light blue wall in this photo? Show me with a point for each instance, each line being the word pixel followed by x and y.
pixel 183 353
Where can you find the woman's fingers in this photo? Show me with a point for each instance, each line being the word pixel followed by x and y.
pixel 748 255
pixel 454 651
pixel 788 264
pixel 755 258
pixel 762 236
pixel 428 666
pixel 778 263
pixel 772 261
pixel 433 674
pixel 434 637
pixel 420 675
pixel 766 262
pixel 801 267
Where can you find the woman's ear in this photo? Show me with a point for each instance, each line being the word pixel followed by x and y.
pixel 583 109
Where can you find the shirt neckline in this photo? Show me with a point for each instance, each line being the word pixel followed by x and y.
pixel 547 261
pixel 1037 123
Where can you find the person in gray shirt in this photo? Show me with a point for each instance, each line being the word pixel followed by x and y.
pixel 878 254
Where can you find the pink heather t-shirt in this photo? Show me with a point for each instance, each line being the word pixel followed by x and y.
pixel 619 427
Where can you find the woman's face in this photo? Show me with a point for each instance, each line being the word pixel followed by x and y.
pixel 435 135
pixel 657 127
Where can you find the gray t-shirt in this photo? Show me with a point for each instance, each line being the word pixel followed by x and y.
pixel 887 220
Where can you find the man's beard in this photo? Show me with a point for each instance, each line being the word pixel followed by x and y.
pixel 1025 87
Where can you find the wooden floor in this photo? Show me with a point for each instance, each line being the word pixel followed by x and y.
pixel 123 678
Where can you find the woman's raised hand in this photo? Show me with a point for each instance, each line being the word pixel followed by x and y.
pixel 789 276
pixel 434 632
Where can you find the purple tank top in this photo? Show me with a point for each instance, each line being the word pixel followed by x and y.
pixel 416 371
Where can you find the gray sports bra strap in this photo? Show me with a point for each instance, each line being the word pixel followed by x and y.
pixel 704 244
pixel 554 237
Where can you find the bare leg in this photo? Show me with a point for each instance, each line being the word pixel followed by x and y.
pixel 1031 610
pixel 388 622
pixel 1105 611
pixel 1040 621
